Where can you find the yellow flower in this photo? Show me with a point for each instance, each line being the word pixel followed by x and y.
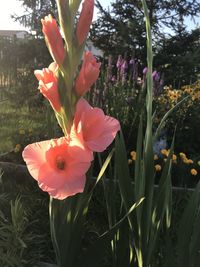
pixel 182 155
pixel 193 172
pixel 198 162
pixel 185 160
pixel 164 152
pixel 158 168
pixel 190 161
pixel 174 157
pixel 17 148
pixel 155 157
pixel 21 131
pixel 133 155
pixel 129 161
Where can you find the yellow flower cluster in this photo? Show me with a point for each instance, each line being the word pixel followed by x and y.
pixel 193 90
pixel 170 97
pixel 174 95
pixel 185 159
pixel 165 153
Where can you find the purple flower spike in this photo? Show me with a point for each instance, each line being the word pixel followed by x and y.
pixel 156 76
pixel 124 65
pixel 132 61
pixel 145 70
pixel 119 62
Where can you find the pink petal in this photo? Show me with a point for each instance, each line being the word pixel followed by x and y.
pixel 94 129
pixel 81 106
pixel 61 184
pixel 68 189
pixel 39 74
pixel 100 141
pixel 34 156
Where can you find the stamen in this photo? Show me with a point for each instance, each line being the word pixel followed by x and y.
pixel 60 163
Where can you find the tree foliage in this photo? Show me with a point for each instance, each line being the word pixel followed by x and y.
pixel 120 30
pixel 34 11
pixel 122 27
pixel 179 55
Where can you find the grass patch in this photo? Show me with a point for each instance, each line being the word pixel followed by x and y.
pixel 18 121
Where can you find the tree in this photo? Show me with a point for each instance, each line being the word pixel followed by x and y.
pixel 122 27
pixel 34 11
pixel 179 54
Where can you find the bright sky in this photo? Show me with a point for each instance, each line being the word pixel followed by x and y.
pixel 9 7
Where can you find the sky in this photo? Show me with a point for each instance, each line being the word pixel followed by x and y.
pixel 10 7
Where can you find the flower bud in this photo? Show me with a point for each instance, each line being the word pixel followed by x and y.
pixel 48 85
pixel 53 39
pixel 85 19
pixel 88 74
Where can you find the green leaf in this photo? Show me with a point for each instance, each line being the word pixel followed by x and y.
pixel 104 167
pixel 186 229
pixel 94 254
pixel 139 179
pixel 160 126
pixel 122 172
pixel 162 204
pixel 195 242
pixel 127 191
pixel 169 257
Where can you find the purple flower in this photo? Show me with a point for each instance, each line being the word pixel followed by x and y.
pixel 124 66
pixel 145 70
pixel 132 61
pixel 156 76
pixel 119 61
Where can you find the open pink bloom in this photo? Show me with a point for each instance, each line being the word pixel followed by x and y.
pixel 58 167
pixel 93 127
pixel 53 38
pixel 88 74
pixel 83 25
pixel 48 85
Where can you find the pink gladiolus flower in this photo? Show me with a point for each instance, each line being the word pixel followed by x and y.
pixel 83 25
pixel 58 166
pixel 93 127
pixel 53 39
pixel 48 85
pixel 88 74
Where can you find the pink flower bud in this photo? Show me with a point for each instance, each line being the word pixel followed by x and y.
pixel 85 19
pixel 53 39
pixel 48 85
pixel 88 74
